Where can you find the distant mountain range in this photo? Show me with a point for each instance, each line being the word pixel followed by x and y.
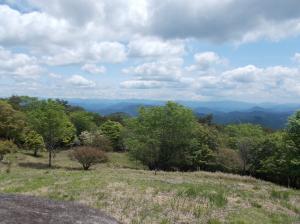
pixel 269 115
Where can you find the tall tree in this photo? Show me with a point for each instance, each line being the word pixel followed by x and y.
pixel 48 118
pixel 165 137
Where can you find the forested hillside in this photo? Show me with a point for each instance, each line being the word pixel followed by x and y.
pixel 168 137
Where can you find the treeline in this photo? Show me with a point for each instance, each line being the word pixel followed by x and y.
pixel 166 137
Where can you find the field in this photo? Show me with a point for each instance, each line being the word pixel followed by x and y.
pixel 125 191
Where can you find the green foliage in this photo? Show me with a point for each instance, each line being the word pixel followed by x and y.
pixel 21 103
pixel 34 141
pixel 167 137
pixel 112 130
pixel 280 159
pixel 48 118
pixel 12 122
pixel 83 121
pixel 293 128
pixel 235 132
pixel 6 147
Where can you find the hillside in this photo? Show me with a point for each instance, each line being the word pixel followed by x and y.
pixel 138 196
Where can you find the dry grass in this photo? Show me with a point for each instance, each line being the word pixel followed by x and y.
pixel 139 196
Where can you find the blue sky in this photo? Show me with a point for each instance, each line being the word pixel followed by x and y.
pixel 149 49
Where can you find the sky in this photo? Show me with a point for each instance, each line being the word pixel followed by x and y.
pixel 242 50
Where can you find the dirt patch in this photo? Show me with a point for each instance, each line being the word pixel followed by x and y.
pixel 15 209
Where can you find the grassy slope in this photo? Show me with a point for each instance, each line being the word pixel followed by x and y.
pixel 139 196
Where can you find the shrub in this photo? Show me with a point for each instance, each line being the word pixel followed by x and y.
pixel 6 147
pixel 88 156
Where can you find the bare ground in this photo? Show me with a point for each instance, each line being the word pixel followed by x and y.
pixel 16 209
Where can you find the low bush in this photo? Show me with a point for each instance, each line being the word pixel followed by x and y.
pixel 88 156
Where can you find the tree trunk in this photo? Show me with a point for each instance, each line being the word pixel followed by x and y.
pixel 50 158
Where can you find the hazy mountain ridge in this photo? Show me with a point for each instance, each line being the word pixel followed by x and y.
pixel 225 112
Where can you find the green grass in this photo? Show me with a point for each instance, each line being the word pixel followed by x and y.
pixel 124 190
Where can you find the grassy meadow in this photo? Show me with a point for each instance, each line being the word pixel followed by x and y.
pixel 125 190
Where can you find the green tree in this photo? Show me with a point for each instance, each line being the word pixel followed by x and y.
pixel 112 130
pixel 83 121
pixel 12 122
pixel 48 118
pixel 164 137
pixel 34 141
pixel 234 132
pixel 293 128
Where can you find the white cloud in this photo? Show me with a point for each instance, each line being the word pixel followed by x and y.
pixel 226 21
pixel 164 70
pixel 206 60
pixel 152 36
pixel 93 69
pixel 155 47
pixel 245 74
pixel 142 84
pixel 18 65
pixel 97 52
pixel 79 81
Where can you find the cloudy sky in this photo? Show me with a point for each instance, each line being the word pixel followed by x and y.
pixel 246 50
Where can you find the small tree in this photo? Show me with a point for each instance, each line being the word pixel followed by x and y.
pixel 34 141
pixel 88 156
pixel 48 118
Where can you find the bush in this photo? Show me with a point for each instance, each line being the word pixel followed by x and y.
pixel 6 147
pixel 88 156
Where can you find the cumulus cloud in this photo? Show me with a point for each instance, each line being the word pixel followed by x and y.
pixel 164 70
pixel 228 20
pixel 79 81
pixel 152 39
pixel 93 69
pixel 269 83
pixel 101 52
pixel 155 47
pixel 18 65
pixel 206 60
